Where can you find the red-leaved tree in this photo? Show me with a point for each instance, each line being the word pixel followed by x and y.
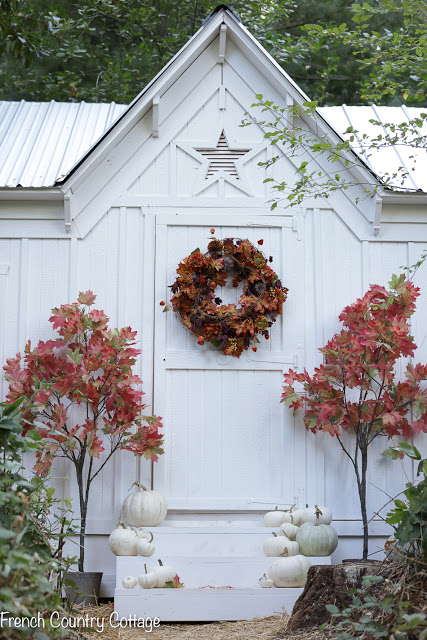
pixel 356 389
pixel 80 393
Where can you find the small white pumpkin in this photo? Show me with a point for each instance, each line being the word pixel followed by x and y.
pixel 279 546
pixel 147 580
pixel 274 518
pixel 265 583
pixel 123 540
pixel 129 582
pixel 289 530
pixel 144 508
pixel 289 572
pixel 144 547
pixel 163 574
pixel 393 551
pixel 293 517
pixel 309 515
pixel 317 539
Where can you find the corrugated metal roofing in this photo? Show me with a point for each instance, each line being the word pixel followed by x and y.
pixel 40 142
pixel 386 160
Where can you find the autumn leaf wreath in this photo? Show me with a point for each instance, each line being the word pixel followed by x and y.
pixel 232 328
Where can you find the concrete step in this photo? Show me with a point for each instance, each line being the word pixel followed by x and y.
pixel 199 572
pixel 203 605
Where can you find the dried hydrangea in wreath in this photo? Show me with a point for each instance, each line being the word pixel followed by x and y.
pixel 233 328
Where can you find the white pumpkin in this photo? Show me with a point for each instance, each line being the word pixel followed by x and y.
pixel 163 574
pixel 289 530
pixel 129 582
pixel 147 580
pixel 144 508
pixel 265 583
pixel 393 551
pixel 144 547
pixel 316 539
pixel 309 515
pixel 274 518
pixel 293 517
pixel 279 546
pixel 123 540
pixel 289 572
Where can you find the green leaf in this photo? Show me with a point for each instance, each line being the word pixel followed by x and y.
pixel 291 398
pixel 9 425
pixel 75 356
pixel 332 609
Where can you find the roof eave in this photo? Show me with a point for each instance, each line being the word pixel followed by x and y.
pixel 31 193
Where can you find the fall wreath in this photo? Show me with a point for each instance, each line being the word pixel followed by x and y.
pixel 233 328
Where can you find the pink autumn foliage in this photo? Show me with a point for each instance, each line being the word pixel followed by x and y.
pixel 357 387
pixel 87 365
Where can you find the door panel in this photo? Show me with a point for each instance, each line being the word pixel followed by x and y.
pixel 229 444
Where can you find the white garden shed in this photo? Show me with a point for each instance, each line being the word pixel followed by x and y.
pixel 111 198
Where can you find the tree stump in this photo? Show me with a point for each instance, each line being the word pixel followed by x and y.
pixel 326 585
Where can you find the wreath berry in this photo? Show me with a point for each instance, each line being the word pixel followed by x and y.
pixel 233 328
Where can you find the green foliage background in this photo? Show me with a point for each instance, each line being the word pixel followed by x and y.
pixel 107 50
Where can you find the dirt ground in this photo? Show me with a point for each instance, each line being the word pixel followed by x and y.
pixel 272 628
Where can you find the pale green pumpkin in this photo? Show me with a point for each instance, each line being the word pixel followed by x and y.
pixel 316 539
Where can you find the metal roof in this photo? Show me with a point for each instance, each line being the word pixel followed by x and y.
pixel 40 142
pixel 386 160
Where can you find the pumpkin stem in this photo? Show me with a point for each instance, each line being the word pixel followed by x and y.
pixel 122 524
pixel 151 539
pixel 276 508
pixel 145 566
pixel 274 534
pixel 318 514
pixel 290 510
pixel 138 484
pixel 160 562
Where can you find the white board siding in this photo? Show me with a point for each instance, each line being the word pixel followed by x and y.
pixel 328 269
pixel 336 270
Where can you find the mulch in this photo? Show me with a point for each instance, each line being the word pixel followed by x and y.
pixel 256 629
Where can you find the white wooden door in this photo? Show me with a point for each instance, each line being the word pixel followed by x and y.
pixel 229 444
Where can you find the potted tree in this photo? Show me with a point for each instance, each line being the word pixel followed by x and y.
pixel 356 389
pixel 80 395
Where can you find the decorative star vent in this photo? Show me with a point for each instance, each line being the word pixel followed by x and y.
pixel 222 158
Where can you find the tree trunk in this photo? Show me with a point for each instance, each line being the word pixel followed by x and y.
pixel 83 514
pixel 362 496
pixel 326 585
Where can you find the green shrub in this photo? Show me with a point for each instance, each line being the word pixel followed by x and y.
pixel 31 563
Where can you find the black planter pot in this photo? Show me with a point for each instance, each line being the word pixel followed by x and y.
pixel 86 591
pixel 360 561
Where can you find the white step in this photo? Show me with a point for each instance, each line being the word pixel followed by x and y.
pixel 203 605
pixel 230 539
pixel 202 572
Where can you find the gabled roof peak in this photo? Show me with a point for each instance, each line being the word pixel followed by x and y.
pixel 222 7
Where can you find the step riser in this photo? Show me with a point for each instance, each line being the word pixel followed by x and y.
pixel 204 605
pixel 190 542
